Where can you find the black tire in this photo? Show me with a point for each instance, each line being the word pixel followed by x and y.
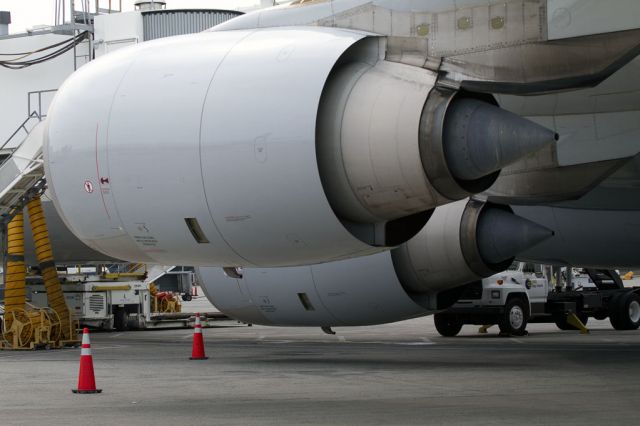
pixel 447 325
pixel 563 324
pixel 624 311
pixel 600 316
pixel 187 297
pixel 515 318
pixel 120 319
pixel 612 310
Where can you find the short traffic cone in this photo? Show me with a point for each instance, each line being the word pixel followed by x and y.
pixel 86 378
pixel 197 350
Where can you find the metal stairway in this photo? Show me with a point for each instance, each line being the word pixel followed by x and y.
pixel 21 167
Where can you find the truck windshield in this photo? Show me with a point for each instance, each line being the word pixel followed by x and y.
pixel 513 266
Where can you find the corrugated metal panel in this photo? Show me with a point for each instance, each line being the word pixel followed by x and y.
pixel 166 23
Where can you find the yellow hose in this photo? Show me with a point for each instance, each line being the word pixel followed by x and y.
pixel 44 253
pixel 14 292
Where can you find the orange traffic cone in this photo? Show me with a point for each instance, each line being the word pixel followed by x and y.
pixel 86 379
pixel 197 350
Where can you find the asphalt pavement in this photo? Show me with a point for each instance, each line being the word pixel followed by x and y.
pixel 402 373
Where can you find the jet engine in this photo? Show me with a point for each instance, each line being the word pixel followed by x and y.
pixel 269 147
pixel 463 242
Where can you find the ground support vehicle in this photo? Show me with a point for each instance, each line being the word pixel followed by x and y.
pixel 522 295
pixel 118 301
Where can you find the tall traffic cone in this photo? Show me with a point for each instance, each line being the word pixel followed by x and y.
pixel 197 350
pixel 86 379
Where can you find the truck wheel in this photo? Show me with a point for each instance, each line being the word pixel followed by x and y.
pixel 625 312
pixel 187 297
pixel 601 316
pixel 120 319
pixel 563 324
pixel 447 325
pixel 515 317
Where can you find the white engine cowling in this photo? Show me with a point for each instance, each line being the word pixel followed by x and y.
pixel 271 147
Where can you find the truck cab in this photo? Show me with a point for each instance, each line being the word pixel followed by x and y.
pixel 508 299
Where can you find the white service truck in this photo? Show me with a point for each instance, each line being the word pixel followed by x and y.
pixel 522 294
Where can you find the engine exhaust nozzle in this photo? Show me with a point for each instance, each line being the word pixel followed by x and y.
pixel 503 235
pixel 481 138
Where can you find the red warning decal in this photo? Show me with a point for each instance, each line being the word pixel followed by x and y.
pixel 88 186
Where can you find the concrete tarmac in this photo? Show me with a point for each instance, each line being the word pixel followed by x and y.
pixel 399 374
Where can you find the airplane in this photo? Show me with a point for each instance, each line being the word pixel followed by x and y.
pixel 353 162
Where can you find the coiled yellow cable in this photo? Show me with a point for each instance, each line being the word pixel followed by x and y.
pixel 14 293
pixel 44 253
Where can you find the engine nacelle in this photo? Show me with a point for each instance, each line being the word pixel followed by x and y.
pixel 271 147
pixel 463 242
pixel 466 242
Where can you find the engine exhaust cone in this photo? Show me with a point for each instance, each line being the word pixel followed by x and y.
pixel 503 235
pixel 480 138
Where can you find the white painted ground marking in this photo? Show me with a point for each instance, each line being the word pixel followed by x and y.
pixel 101 347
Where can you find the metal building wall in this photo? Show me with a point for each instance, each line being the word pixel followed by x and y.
pixel 166 23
